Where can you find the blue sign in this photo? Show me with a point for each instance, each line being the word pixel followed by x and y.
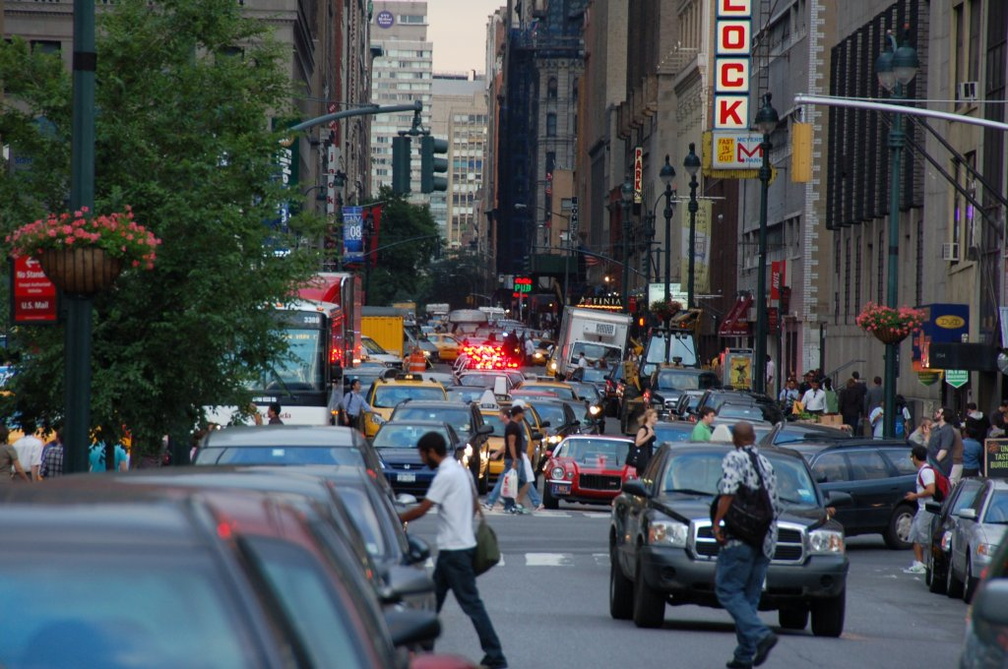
pixel 945 324
pixel 385 19
pixel 353 234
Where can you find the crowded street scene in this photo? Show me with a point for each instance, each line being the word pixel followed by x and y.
pixel 475 334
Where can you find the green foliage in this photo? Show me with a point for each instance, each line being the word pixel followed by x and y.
pixel 185 90
pixel 400 272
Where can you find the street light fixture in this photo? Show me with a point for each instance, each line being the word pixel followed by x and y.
pixel 692 165
pixel 626 197
pixel 766 122
pixel 896 68
pixel 667 174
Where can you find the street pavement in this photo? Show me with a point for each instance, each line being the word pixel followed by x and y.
pixel 549 602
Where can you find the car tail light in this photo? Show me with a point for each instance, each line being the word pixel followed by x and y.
pixel 647 397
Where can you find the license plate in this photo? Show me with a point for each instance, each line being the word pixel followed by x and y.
pixel 559 489
pixel 406 478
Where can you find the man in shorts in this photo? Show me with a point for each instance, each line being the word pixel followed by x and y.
pixel 920 530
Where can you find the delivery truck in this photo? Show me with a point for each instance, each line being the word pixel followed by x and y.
pixel 386 326
pixel 600 335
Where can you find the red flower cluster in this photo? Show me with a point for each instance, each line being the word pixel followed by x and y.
pixel 117 234
pixel 902 320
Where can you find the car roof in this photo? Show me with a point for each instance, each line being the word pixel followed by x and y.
pixel 809 432
pixel 411 421
pixel 597 437
pixel 303 436
pixel 436 404
pixel 707 446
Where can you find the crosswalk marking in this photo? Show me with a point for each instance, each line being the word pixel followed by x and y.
pixel 554 514
pixel 547 560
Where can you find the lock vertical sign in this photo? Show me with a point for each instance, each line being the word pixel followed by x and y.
pixel 733 35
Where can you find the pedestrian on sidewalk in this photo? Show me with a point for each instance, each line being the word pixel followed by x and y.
pixel 920 529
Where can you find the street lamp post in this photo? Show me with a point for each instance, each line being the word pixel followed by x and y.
pixel 895 68
pixel 766 121
pixel 692 165
pixel 626 196
pixel 667 174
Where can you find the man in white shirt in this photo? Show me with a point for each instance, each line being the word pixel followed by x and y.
pixel 920 529
pixel 29 450
pixel 453 492
pixel 814 399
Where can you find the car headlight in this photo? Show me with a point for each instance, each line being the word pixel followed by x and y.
pixel 986 550
pixel 537 355
pixel 594 410
pixel 553 365
pixel 668 533
pixel 554 439
pixel 557 473
pixel 824 542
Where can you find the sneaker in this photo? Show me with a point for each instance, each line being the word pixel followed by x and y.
pixel 763 647
pixel 541 507
pixel 916 568
pixel 488 507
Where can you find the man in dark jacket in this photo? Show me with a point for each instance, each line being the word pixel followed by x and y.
pixel 874 395
pixel 851 400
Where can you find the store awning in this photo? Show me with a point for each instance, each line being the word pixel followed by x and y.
pixel 736 323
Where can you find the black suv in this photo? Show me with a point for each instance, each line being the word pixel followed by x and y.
pixel 716 397
pixel 662 549
pixel 877 474
pixel 667 385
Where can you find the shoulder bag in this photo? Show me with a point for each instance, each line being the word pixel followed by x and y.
pixel 487 552
pixel 751 511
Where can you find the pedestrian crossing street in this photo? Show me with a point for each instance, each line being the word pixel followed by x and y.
pixel 548 560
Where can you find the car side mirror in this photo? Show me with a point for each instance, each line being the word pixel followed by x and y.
pixel 636 488
pixel 405 499
pixel 545 423
pixel 484 429
pixel 418 551
pixel 990 603
pixel 839 498
pixel 820 477
pixel 967 514
pixel 932 507
pixel 537 436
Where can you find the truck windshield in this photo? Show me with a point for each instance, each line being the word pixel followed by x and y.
pixel 594 351
pixel 682 346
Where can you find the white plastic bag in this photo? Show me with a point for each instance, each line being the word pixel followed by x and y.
pixel 509 488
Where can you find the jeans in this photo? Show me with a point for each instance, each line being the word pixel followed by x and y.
pixel 454 571
pixel 494 495
pixel 738 584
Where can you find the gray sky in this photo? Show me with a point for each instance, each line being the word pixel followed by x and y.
pixel 458 30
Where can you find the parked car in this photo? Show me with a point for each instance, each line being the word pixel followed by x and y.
pixel 241 577
pixel 587 469
pixel 987 619
pixel 396 443
pixel 877 474
pixel 662 549
pixel 946 516
pixel 667 384
pixel 288 445
pixel 468 423
pixel 981 527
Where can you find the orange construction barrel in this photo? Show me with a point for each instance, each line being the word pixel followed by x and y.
pixel 417 361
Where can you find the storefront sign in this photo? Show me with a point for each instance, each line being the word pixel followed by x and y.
pixel 736 150
pixel 996 458
pixel 733 37
pixel 957 378
pixel 638 175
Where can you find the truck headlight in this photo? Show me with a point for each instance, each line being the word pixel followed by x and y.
pixel 824 542
pixel 668 533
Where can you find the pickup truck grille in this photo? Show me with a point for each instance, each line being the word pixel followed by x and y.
pixel 790 542
pixel 599 482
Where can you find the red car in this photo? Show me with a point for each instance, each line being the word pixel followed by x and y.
pixel 586 468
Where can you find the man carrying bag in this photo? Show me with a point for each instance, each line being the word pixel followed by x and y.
pixel 451 490
pixel 748 540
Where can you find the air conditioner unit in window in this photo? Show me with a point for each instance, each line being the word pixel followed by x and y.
pixel 967 91
pixel 950 252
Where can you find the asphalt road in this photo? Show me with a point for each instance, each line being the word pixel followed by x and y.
pixel 549 604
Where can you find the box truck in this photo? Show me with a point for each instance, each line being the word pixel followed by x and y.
pixel 600 335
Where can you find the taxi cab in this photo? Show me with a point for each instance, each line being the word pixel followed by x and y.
pixel 492 456
pixel 448 347
pixel 561 389
pixel 385 394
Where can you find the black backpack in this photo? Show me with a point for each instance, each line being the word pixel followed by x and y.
pixel 751 512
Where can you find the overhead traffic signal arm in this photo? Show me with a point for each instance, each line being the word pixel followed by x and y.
pixel 430 165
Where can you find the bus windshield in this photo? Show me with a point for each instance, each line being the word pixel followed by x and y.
pixel 302 368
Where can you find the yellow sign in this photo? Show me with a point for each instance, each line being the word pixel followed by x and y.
pixel 950 322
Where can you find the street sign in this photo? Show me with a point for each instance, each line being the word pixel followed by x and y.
pixel 957 378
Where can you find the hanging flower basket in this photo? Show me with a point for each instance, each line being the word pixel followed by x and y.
pixel 665 310
pixel 890 325
pixel 83 254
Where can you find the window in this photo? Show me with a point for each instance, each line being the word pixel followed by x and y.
pixel 880 291
pixel 551 88
pixel 847 277
pixel 857 274
pixel 45 46
pixel 832 467
pixel 551 125
pixel 867 464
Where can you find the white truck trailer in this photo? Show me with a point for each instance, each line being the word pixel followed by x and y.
pixel 600 335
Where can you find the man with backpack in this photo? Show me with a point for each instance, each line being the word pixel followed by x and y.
pixel 930 483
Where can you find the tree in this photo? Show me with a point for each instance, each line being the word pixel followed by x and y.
pixel 185 93
pixel 400 270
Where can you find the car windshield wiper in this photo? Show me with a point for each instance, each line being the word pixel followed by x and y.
pixel 788 500
pixel 689 491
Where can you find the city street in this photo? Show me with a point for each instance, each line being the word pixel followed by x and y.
pixel 548 600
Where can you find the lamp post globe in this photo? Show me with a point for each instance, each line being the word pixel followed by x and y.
pixel 896 67
pixel 766 121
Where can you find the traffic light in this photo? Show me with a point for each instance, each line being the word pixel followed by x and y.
pixel 401 165
pixel 430 165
